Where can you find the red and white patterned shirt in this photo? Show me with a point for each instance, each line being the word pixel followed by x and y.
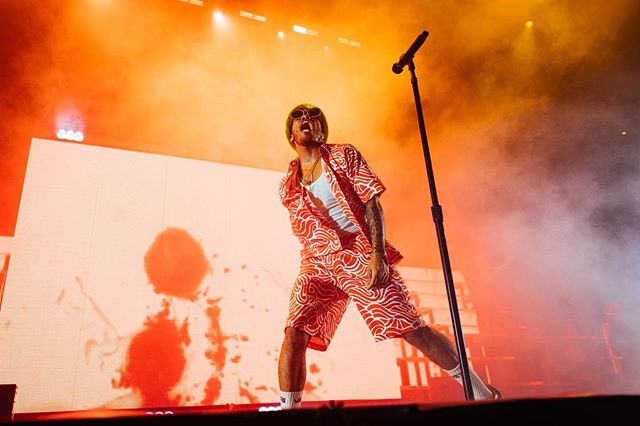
pixel 353 183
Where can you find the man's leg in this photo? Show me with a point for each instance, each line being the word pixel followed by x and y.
pixel 439 349
pixel 292 367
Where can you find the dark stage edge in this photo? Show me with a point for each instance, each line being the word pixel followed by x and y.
pixel 605 409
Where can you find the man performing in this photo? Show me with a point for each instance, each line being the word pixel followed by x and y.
pixel 333 199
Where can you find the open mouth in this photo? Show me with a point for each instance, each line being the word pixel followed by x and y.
pixel 306 126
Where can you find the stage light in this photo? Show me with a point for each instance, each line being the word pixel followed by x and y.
pixel 348 42
pixel 159 413
pixel 218 17
pixel 267 408
pixel 529 24
pixel 304 30
pixel 624 133
pixel 280 34
pixel 253 16
pixel 70 135
pixel 69 125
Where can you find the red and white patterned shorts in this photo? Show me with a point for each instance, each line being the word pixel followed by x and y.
pixel 326 284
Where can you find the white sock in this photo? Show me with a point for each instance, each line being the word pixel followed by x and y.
pixel 480 390
pixel 289 400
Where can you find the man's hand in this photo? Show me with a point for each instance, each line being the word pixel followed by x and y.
pixel 378 271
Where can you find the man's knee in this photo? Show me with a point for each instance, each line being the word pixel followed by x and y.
pixel 295 340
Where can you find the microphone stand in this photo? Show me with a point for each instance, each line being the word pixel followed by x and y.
pixel 438 218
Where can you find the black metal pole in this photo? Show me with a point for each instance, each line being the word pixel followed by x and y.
pixel 438 218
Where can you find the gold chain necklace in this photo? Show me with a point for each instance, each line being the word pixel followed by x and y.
pixel 305 178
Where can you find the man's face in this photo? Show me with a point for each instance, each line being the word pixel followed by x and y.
pixel 306 130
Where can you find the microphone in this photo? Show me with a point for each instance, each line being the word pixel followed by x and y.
pixel 408 55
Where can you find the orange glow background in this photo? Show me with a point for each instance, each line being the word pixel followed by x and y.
pixel 533 131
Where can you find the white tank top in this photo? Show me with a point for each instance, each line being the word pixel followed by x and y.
pixel 326 202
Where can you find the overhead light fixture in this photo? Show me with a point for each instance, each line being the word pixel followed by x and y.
pixel 70 135
pixel 194 2
pixel 253 16
pixel 304 30
pixel 348 42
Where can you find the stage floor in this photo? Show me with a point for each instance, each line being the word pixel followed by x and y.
pixel 556 410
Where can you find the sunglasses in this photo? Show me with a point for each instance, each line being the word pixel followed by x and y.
pixel 311 113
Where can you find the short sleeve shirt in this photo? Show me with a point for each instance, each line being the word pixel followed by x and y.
pixel 353 183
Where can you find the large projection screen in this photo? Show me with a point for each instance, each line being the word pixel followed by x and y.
pixel 142 280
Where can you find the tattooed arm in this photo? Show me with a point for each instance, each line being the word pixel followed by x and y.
pixel 378 266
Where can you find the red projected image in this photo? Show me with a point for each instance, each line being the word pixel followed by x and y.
pixel 159 297
pixel 155 361
pixel 175 264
